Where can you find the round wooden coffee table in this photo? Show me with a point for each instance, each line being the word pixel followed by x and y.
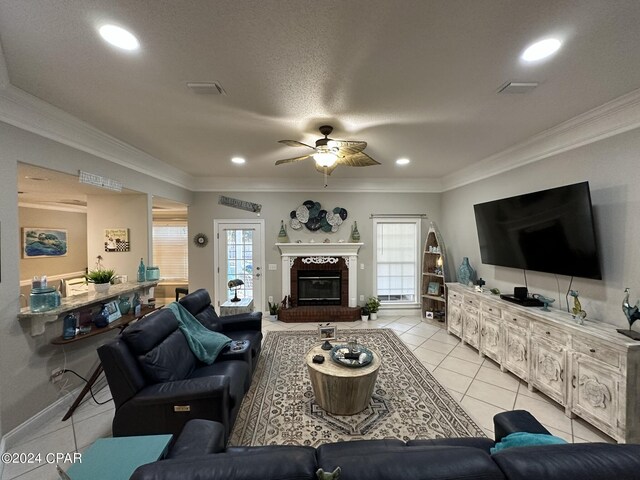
pixel 339 389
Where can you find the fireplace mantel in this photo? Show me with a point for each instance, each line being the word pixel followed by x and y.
pixel 314 249
pixel 349 251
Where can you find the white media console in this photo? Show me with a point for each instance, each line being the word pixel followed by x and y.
pixel 591 370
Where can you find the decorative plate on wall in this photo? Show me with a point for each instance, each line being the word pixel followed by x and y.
pixel 200 239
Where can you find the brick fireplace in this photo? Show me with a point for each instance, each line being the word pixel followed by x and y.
pixel 320 265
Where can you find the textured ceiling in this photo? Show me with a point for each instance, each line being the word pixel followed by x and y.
pixel 414 79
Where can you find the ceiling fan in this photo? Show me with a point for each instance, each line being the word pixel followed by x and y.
pixel 329 153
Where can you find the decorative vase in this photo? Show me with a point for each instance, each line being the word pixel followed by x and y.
pixel 124 305
pixel 101 287
pixel 274 318
pixel 364 318
pixel 355 234
pixel 466 273
pixel 373 315
pixel 101 319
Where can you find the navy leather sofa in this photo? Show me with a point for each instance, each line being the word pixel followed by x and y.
pixel 200 454
pixel 158 384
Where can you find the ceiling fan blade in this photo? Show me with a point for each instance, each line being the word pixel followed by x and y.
pixel 291 160
pixel 294 143
pixel 349 147
pixel 322 169
pixel 359 159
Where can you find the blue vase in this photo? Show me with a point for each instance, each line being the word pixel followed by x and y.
pixel 101 320
pixel 466 273
pixel 124 305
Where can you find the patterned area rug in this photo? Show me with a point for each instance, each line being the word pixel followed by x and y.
pixel 407 403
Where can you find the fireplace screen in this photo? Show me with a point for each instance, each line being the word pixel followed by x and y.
pixel 319 287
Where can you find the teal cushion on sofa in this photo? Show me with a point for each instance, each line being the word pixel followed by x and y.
pixel 525 439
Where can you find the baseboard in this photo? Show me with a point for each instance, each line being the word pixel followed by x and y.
pixel 34 424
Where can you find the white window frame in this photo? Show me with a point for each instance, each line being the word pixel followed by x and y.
pixel 417 221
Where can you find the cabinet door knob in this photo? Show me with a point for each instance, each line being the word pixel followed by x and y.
pixel 592 350
pixel 515 319
pixel 548 333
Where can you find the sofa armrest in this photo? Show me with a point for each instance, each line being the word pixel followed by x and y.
pixel 516 421
pixel 166 407
pixel 198 437
pixel 240 321
pixel 212 387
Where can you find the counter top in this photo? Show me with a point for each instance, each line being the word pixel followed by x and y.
pixel 76 302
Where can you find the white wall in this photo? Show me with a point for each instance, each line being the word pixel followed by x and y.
pixel 118 211
pixel 276 207
pixel 612 168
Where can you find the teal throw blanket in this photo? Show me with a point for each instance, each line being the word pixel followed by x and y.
pixel 525 439
pixel 205 344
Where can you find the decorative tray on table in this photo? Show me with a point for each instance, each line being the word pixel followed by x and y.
pixel 361 357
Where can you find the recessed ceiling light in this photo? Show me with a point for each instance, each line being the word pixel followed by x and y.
pixel 238 160
pixel 119 37
pixel 402 161
pixel 542 49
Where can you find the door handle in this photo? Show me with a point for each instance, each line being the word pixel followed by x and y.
pixel 258 274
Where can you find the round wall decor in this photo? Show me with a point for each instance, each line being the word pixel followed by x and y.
pixel 200 239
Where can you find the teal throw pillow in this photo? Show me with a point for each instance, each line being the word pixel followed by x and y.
pixel 525 439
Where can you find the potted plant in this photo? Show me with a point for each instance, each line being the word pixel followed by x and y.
pixel 373 304
pixel 364 313
pixel 273 310
pixel 101 278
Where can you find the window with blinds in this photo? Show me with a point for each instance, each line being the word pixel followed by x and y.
pixel 397 254
pixel 170 249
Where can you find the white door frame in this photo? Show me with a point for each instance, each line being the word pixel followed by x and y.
pixel 257 302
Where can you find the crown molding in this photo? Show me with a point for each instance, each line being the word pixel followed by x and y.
pixel 612 118
pixel 54 206
pixel 316 184
pixel 25 111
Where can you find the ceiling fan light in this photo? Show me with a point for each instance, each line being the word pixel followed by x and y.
pixel 325 159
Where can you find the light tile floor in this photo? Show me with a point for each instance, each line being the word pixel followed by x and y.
pixel 477 383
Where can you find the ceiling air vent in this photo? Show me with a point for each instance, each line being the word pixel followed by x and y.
pixel 517 87
pixel 206 88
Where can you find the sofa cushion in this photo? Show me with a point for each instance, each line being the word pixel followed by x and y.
pixel 584 461
pixel 168 361
pixel 237 371
pixel 264 463
pixel 411 463
pixel 477 442
pixel 160 347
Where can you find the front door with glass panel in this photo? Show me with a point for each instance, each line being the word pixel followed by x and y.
pixel 239 257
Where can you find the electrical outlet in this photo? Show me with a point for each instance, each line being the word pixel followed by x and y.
pixel 362 298
pixel 56 374
pixel 270 299
pixel 362 266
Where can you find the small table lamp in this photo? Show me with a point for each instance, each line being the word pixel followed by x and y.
pixel 235 284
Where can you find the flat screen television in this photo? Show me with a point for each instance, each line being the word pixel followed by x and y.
pixel 547 231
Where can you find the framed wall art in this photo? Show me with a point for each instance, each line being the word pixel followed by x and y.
pixel 44 242
pixel 116 240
